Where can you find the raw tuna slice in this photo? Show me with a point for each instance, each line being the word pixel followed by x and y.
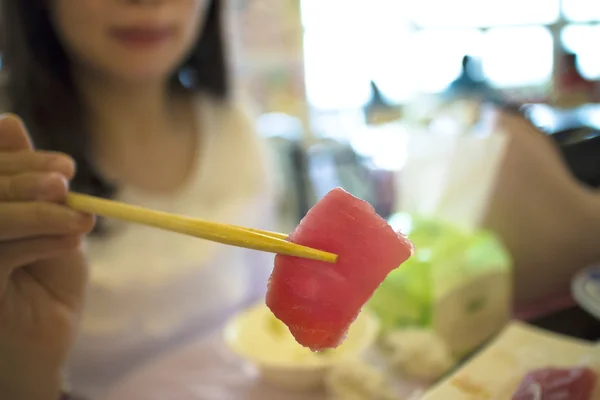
pixel 319 301
pixel 557 384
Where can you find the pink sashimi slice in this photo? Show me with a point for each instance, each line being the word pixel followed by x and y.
pixel 319 301
pixel 557 383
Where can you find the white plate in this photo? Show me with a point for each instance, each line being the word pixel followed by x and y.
pixel 586 290
pixel 495 373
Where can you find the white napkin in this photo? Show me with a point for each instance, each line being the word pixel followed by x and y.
pixel 451 176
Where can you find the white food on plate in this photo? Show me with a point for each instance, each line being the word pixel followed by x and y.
pixel 265 338
pixel 358 381
pixel 258 335
pixel 419 353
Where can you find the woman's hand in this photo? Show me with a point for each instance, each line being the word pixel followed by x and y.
pixel 42 271
pixel 547 219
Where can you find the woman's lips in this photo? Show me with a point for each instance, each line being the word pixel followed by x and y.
pixel 141 36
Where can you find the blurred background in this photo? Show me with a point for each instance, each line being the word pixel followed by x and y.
pixel 338 83
pixel 396 101
pixel 391 99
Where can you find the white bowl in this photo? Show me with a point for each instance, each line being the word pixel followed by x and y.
pixel 258 337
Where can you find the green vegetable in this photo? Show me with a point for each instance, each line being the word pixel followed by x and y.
pixel 445 257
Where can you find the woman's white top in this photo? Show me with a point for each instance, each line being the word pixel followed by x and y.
pixel 151 290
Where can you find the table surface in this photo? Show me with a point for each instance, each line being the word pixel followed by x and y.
pixel 206 370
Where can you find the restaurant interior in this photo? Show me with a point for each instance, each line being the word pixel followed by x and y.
pixel 398 102
pixel 470 127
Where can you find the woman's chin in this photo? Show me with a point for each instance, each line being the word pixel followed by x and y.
pixel 146 75
pixel 133 69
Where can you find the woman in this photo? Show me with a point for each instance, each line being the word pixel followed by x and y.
pixel 135 96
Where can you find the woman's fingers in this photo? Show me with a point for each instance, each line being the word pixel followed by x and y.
pixel 24 252
pixel 33 186
pixel 17 155
pixel 13 135
pixel 40 161
pixel 32 226
pixel 33 219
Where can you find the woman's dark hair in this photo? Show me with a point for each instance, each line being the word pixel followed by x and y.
pixel 40 88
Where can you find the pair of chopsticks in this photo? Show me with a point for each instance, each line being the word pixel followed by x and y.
pixel 249 238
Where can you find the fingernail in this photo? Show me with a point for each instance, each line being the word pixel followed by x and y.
pixel 10 117
pixel 63 165
pixel 52 186
pixel 78 220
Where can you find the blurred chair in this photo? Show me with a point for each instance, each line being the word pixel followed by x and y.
pixel 333 164
pixel 581 151
pixel 285 135
pixel 577 132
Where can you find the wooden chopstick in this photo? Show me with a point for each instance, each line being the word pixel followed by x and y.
pixel 275 235
pixel 249 238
